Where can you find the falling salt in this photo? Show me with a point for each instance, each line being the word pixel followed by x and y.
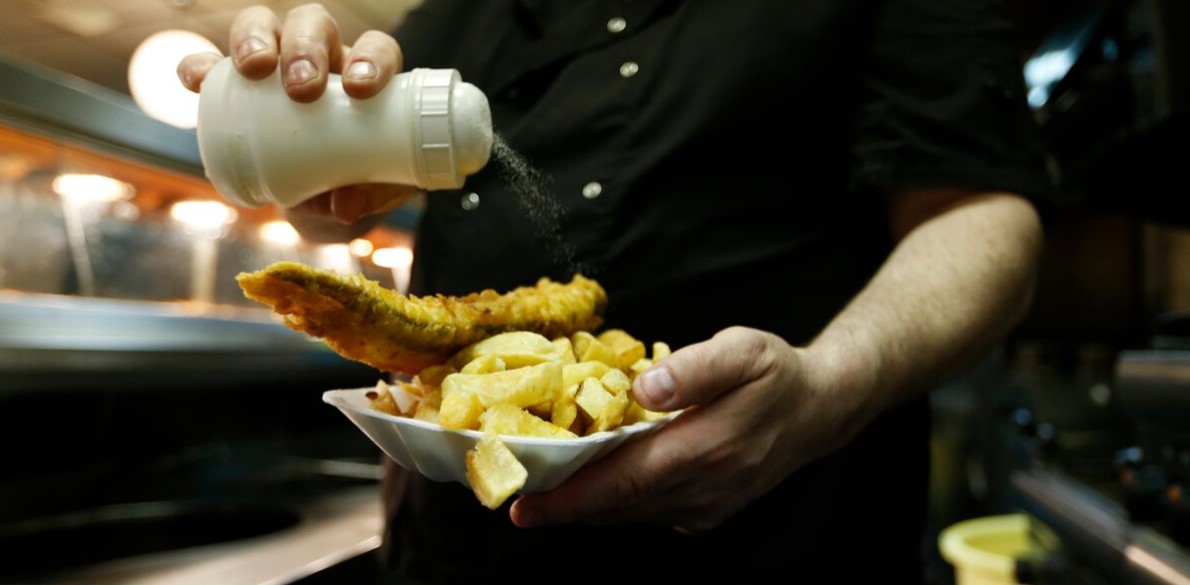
pixel 532 192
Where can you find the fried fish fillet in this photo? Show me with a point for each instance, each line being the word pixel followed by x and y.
pixel 366 322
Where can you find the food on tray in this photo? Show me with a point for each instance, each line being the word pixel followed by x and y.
pixel 366 322
pixel 523 383
pixel 531 362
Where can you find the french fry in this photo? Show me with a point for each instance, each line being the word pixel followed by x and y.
pixel 575 373
pixel 460 408
pixel 484 364
pixel 616 381
pixel 428 408
pixel 626 347
pixel 382 400
pixel 506 419
pixel 564 412
pixel 588 348
pixel 517 348
pixel 493 471
pixel 565 350
pixel 604 410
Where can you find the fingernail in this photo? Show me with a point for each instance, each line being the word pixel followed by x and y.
pixel 658 384
pixel 249 47
pixel 186 76
pixel 300 71
pixel 361 70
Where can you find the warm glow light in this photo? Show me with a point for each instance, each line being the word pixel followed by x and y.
pixel 202 215
pixel 393 257
pixel 400 261
pixel 92 188
pixel 360 247
pixel 153 79
pixel 279 232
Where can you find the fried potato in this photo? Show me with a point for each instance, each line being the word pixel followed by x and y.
pixel 493 471
pixel 626 347
pixel 429 407
pixel 575 373
pixel 484 364
pixel 460 409
pixel 525 384
pixel 517 348
pixel 616 381
pixel 506 419
pixel 565 350
pixel 604 409
pixel 588 348
pixel 433 375
pixel 564 412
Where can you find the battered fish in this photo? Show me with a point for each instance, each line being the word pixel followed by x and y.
pixel 366 322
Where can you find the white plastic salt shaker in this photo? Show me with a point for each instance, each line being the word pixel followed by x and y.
pixel 426 128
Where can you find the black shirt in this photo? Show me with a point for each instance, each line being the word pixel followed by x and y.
pixel 713 163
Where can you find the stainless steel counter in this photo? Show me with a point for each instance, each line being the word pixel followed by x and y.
pixel 48 341
pixel 332 529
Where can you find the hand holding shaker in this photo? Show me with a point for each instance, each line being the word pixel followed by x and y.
pixel 426 128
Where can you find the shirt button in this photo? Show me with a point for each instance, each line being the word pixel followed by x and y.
pixel 470 201
pixel 616 25
pixel 628 69
pixel 592 190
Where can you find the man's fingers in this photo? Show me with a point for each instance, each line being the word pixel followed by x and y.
pixel 192 69
pixel 371 64
pixel 310 51
pixel 353 203
pixel 699 373
pixel 253 42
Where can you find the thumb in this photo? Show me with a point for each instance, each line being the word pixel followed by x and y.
pixel 701 372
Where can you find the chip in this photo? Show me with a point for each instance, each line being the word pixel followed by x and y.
pixel 523 384
pixel 493 471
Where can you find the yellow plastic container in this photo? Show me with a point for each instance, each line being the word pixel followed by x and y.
pixel 983 551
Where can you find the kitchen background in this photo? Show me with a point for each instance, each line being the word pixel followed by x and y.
pixel 157 427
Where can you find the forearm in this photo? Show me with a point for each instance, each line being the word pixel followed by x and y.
pixel 953 286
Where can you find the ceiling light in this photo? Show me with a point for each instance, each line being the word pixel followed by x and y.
pixel 279 232
pixel 84 187
pixel 153 78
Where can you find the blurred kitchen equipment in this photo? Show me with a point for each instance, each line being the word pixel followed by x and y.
pixel 1099 542
pixel 427 128
pixel 986 550
pixel 147 437
pixel 1111 87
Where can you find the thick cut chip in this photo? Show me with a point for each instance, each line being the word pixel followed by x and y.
pixel 628 348
pixel 460 409
pixel 660 351
pixel 484 364
pixel 517 348
pixel 565 350
pixel 428 408
pixel 466 396
pixel 616 381
pixel 565 410
pixel 575 373
pixel 523 387
pixel 494 472
pixel 604 410
pixel 506 419
pixel 588 348
pixel 636 413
